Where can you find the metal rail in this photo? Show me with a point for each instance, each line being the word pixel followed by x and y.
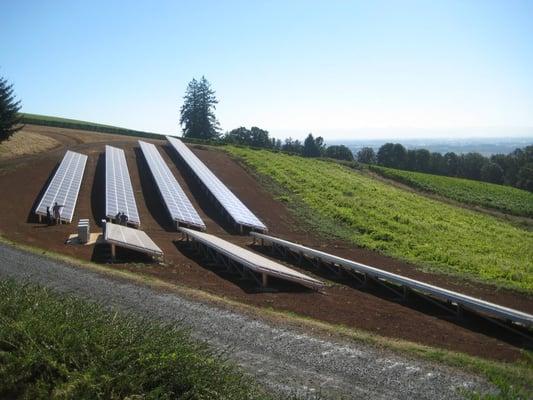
pixel 461 301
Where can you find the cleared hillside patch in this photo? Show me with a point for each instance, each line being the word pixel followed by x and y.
pixel 488 195
pixel 404 225
pixel 23 143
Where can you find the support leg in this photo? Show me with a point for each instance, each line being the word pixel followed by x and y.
pixel 264 280
pixel 113 252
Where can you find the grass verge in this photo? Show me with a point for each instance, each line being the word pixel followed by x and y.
pixel 56 346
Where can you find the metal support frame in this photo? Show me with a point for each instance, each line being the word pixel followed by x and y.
pixel 403 292
pixel 228 264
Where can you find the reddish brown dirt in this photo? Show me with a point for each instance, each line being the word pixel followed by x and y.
pixel 22 180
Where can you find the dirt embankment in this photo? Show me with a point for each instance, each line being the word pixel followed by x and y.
pixel 342 303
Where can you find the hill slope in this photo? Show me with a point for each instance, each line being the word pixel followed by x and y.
pixel 488 195
pixel 404 225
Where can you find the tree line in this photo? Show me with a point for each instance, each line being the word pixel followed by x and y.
pixel 199 121
pixel 514 169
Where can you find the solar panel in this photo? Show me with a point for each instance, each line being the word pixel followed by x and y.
pixel 64 186
pixel 178 205
pixel 251 260
pixel 118 190
pixel 233 206
pixel 130 238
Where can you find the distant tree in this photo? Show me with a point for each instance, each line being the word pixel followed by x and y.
pixel 411 160
pixel 471 164
pixel 366 155
pixel 313 147
pixel 492 172
pixel 451 161
pixel 423 160
pixel 385 155
pixel 198 111
pixel 239 135
pixel 292 146
pixel 259 137
pixel 437 164
pixel 525 177
pixel 340 152
pixel 400 156
pixel 9 108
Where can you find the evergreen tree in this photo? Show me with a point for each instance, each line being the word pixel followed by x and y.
pixel 9 108
pixel 198 111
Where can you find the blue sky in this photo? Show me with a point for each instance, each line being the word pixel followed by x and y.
pixel 340 69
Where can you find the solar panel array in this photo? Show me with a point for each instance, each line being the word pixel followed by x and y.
pixel 234 207
pixel 64 186
pixel 118 190
pixel 177 203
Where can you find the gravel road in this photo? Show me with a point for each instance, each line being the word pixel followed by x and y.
pixel 283 359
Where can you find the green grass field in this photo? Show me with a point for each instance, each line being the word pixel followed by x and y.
pixel 58 347
pixel 431 234
pixel 47 120
pixel 488 195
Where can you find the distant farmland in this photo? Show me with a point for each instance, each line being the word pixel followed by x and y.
pixel 503 198
pixel 440 237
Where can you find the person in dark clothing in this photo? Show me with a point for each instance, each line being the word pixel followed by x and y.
pixel 124 219
pixel 56 210
pixel 48 216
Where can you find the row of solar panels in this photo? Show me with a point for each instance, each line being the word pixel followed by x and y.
pixel 119 196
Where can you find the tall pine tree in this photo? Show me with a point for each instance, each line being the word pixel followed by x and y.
pixel 9 108
pixel 198 111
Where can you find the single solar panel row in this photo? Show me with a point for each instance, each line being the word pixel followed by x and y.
pixel 178 205
pixel 118 190
pixel 64 186
pixel 253 261
pixel 233 206
pixel 423 288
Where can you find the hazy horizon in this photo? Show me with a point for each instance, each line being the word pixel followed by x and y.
pixel 341 70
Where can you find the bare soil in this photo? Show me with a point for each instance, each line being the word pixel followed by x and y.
pixel 22 181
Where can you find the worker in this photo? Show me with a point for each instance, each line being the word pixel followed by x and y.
pixel 124 219
pixel 117 217
pixel 48 216
pixel 56 210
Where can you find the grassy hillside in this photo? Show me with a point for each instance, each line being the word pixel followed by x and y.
pixel 401 224
pixel 503 198
pixel 54 346
pixel 46 120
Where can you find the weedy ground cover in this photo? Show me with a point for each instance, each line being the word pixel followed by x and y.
pixel 405 225
pixel 503 198
pixel 54 346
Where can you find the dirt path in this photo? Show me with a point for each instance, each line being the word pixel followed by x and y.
pixel 284 360
pixel 342 302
